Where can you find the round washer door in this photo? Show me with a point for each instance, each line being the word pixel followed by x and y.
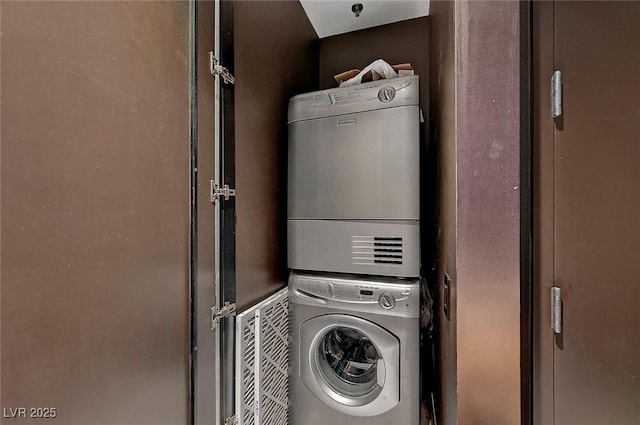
pixel 350 364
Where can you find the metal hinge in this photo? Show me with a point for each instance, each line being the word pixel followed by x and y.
pixel 230 420
pixel 228 309
pixel 556 94
pixel 225 191
pixel 556 309
pixel 216 69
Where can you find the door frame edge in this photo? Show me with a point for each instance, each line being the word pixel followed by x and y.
pixel 542 64
pixel 526 215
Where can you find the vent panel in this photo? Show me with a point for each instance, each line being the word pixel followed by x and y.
pixel 245 367
pixel 262 361
pixel 273 359
pixel 382 250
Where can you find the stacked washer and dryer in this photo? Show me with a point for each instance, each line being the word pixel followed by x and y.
pixel 354 250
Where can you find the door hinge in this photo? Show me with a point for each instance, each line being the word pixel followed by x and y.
pixel 217 313
pixel 556 94
pixel 556 309
pixel 225 191
pixel 216 69
pixel 230 420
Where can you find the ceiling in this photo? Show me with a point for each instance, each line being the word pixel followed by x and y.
pixel 330 17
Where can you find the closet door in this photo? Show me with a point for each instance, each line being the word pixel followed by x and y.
pixel 597 208
pixel 587 208
pixel 95 212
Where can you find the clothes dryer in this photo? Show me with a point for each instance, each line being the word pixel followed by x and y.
pixel 354 179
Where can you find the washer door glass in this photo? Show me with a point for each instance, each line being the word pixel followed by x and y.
pixel 349 363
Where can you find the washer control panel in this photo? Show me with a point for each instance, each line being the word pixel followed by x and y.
pixel 371 295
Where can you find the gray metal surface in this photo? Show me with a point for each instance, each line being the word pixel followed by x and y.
pixel 354 304
pixel 353 178
pixel 358 166
pixel 556 309
pixel 556 94
pixel 359 98
pixel 344 292
pixel 382 247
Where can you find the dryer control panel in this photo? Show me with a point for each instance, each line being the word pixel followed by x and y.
pixel 374 95
pixel 374 295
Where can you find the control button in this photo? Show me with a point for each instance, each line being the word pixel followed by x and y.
pixel 332 291
pixel 386 94
pixel 387 300
pixel 405 292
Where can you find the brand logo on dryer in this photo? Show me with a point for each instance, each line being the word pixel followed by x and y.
pixel 346 122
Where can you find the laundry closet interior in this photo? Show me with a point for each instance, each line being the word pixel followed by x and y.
pixel 274 53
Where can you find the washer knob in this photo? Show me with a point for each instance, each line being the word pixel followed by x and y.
pixel 387 300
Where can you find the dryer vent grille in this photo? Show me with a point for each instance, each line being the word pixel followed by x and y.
pixel 382 250
pixel 262 361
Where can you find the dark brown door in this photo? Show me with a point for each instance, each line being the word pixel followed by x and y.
pixel 95 212
pixel 596 218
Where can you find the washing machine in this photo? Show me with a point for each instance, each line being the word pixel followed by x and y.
pixel 354 350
